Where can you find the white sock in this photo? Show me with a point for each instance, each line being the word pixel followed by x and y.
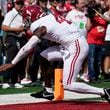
pixel 49 89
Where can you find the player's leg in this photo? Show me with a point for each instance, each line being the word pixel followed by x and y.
pixel 72 66
pixel 48 56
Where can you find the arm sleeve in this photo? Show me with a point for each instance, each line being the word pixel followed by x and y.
pixel 7 19
pixel 26 49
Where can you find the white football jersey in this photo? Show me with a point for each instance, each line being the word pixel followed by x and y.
pixel 62 33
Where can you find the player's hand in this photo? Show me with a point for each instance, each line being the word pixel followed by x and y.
pixel 20 29
pixel 5 67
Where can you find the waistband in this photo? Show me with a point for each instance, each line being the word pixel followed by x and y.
pixel 15 34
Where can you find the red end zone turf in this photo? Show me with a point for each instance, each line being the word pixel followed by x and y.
pixel 63 105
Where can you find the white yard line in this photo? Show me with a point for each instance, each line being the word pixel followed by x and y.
pixel 26 98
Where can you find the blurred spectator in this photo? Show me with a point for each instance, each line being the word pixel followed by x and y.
pixel 28 2
pixel 1 39
pixel 78 13
pixel 3 6
pixel 77 16
pixel 69 5
pixel 107 44
pixel 14 28
pixel 39 61
pixel 9 5
pixel 61 8
pixel 31 12
pixel 95 39
pixel 35 11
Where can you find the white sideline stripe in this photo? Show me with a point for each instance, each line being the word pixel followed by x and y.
pixel 18 99
pixel 26 98
pixel 74 95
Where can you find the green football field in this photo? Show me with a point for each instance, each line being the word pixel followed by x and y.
pixel 31 89
pixel 26 89
pixel 38 87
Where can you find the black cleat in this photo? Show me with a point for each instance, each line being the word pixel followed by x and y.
pixel 48 95
pixel 107 94
pixel 38 94
pixel 43 94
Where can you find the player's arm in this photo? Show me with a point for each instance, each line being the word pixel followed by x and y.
pixel 39 32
